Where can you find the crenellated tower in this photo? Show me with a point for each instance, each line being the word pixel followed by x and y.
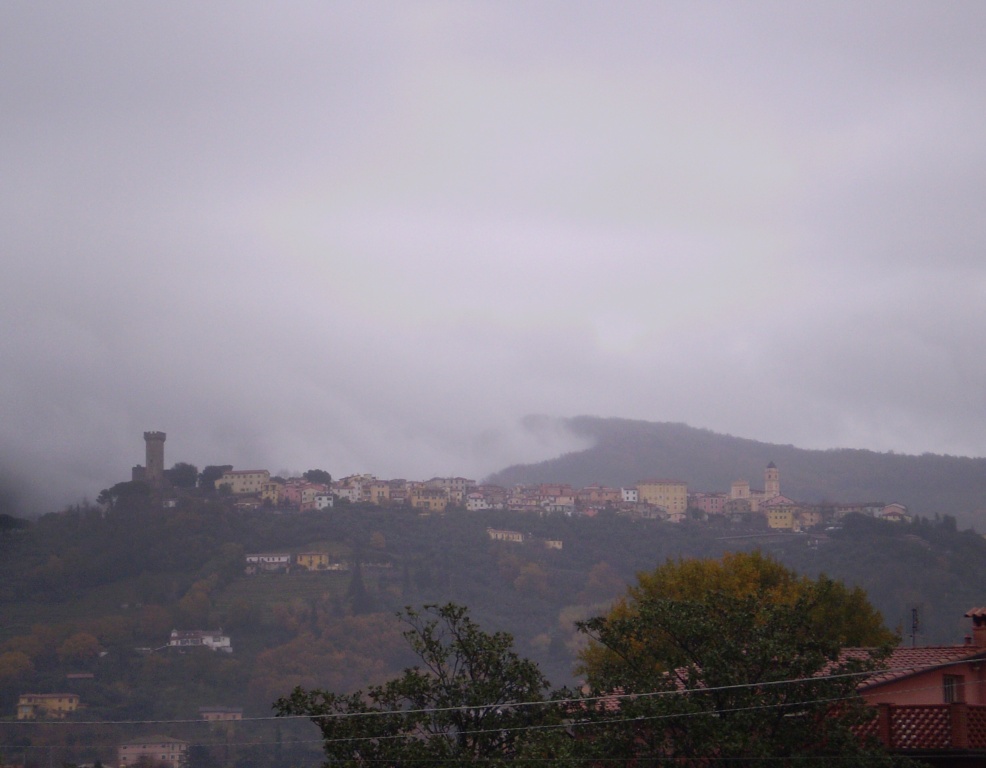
pixel 154 464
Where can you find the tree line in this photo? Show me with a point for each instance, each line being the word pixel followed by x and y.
pixel 702 663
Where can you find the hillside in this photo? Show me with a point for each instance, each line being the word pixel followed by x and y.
pixel 96 593
pixel 625 452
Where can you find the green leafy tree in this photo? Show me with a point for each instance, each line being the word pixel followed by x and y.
pixel 317 476
pixel 130 492
pixel 201 756
pixel 211 473
pixel 14 666
pixel 837 613
pixel 183 475
pixel 738 673
pixel 9 523
pixel 80 648
pixel 358 597
pixel 473 699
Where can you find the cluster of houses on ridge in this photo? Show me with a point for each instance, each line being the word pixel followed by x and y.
pixel 668 500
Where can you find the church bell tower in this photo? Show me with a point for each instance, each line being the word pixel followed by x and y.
pixel 771 481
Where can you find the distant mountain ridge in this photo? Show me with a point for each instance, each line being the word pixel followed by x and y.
pixel 625 452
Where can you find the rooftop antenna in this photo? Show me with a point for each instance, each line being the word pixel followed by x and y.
pixel 915 624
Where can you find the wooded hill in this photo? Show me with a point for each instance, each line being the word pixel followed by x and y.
pixel 626 452
pixel 85 590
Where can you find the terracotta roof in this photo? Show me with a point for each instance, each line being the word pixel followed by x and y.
pixel 904 662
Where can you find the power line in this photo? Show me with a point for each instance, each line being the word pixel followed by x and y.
pixel 514 705
pixel 568 725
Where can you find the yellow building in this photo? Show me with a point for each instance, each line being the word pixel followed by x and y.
pixel 51 705
pixel 244 481
pixel 781 517
pixel 429 499
pixel 271 492
pixel 377 492
pixel 312 561
pixel 456 488
pixel 669 495
pixel 809 517
pixel 309 494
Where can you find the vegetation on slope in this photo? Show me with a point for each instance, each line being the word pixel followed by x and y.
pixel 81 591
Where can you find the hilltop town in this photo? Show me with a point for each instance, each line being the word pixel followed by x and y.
pixel 196 598
pixel 668 500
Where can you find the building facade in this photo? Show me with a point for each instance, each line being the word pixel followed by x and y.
pixel 54 706
pixel 312 561
pixel 214 640
pixel 244 481
pixel 501 535
pixel 931 701
pixel 269 562
pixel 221 714
pixel 157 749
pixel 669 495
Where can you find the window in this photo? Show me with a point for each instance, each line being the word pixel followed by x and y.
pixel 953 688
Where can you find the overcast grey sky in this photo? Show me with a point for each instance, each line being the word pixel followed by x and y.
pixel 373 236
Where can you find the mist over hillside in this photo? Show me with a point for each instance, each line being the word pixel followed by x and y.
pixel 625 452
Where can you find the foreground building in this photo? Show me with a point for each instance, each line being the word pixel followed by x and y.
pixel 931 701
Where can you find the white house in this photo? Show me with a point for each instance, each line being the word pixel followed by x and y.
pixel 349 492
pixel 501 535
pixel 264 561
pixel 214 640
pixel 476 502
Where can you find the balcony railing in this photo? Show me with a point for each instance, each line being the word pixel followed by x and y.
pixel 905 727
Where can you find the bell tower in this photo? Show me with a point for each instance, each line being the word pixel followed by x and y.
pixel 771 481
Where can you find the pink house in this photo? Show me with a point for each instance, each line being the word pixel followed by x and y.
pixel 709 503
pixel 291 493
pixel 931 701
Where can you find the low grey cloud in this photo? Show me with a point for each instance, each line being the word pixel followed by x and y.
pixel 374 238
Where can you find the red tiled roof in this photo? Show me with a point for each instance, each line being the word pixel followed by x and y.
pixel 904 662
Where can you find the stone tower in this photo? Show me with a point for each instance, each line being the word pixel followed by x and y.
pixel 154 465
pixel 771 481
